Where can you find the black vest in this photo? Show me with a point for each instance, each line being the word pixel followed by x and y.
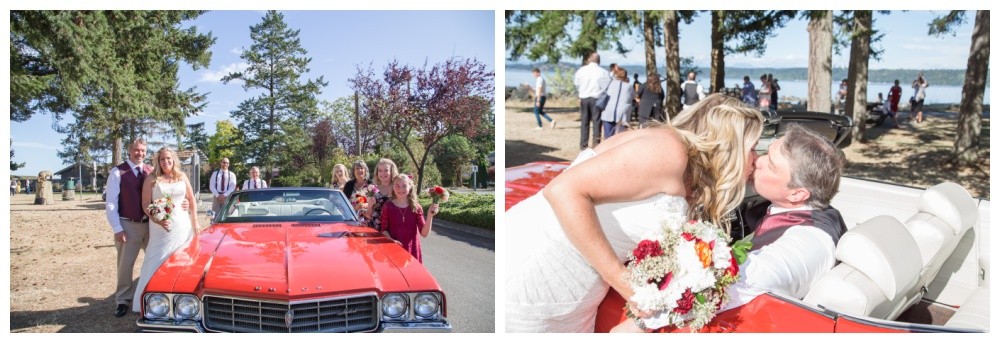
pixel 828 220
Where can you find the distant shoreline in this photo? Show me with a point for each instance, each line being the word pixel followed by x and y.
pixel 948 77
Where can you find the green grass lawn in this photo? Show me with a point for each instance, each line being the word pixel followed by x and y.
pixel 470 209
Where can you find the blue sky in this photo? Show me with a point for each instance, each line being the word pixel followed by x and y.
pixel 337 42
pixel 906 44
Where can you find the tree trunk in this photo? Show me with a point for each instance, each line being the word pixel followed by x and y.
pixel 970 113
pixel 718 73
pixel 672 90
pixel 116 152
pixel 857 72
pixel 820 62
pixel 647 32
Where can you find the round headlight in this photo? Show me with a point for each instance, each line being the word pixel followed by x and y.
pixel 394 305
pixel 186 306
pixel 426 305
pixel 157 305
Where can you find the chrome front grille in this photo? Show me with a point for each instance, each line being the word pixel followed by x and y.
pixel 350 314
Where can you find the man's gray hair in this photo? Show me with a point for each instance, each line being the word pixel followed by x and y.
pixel 815 163
pixel 138 141
pixel 594 58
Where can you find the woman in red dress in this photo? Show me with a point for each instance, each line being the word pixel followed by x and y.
pixel 403 218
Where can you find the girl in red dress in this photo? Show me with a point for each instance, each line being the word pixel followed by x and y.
pixel 403 218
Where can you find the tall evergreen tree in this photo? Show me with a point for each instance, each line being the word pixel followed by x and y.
pixel 274 122
pixel 740 32
pixel 196 137
pixel 820 70
pixel 538 34
pixel 970 112
pixel 857 72
pixel 110 69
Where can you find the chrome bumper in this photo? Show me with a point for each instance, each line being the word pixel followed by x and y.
pixel 192 326
pixel 441 327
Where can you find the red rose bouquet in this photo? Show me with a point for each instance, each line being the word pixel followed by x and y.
pixel 161 209
pixel 681 273
pixel 438 194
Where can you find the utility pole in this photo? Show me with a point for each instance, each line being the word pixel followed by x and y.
pixel 357 121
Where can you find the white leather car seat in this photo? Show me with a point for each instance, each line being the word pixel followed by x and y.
pixel 945 212
pixel 879 263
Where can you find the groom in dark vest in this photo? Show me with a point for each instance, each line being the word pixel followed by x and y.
pixel 796 230
pixel 127 218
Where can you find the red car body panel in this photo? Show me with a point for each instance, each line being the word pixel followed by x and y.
pixel 766 313
pixel 291 261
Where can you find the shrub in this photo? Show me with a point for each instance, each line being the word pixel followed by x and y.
pixel 469 209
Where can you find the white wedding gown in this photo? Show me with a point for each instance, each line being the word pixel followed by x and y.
pixel 549 285
pixel 163 243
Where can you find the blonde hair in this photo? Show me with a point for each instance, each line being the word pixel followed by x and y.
pixel 157 171
pixel 411 196
pixel 719 132
pixel 393 171
pixel 333 173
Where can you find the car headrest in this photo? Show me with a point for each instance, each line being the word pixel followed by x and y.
pixel 951 203
pixel 883 250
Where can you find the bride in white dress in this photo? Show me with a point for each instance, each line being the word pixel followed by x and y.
pixel 166 236
pixel 568 243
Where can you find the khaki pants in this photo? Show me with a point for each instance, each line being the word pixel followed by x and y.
pixel 136 237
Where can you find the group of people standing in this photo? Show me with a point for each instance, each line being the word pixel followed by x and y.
pixel 133 185
pixel 890 106
pixel 766 98
pixel 392 207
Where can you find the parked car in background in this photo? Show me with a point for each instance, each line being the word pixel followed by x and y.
pixel 292 260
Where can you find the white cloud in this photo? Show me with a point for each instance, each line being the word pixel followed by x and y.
pixel 216 76
pixel 33 145
pixel 236 51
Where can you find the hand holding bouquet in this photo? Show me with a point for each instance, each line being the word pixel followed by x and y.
pixel 438 194
pixel 160 210
pixel 681 273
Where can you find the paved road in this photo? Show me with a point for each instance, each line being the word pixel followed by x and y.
pixel 463 259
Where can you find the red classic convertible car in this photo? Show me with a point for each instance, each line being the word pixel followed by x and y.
pixel 292 260
pixel 913 260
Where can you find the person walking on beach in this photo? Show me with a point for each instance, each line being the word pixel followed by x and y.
pixel 540 99
pixel 919 93
pixel 591 81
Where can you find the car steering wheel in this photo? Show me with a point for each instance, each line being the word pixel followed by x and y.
pixel 319 209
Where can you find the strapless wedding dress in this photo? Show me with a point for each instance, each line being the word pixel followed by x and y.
pixel 549 285
pixel 163 243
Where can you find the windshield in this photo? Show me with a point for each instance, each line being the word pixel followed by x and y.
pixel 287 205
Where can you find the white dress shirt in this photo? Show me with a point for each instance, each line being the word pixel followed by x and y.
pixel 254 184
pixel 222 183
pixel 539 87
pixel 790 266
pixel 591 80
pixel 111 200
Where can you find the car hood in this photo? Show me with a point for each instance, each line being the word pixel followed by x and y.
pixel 290 261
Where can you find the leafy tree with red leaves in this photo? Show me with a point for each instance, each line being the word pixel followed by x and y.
pixel 429 103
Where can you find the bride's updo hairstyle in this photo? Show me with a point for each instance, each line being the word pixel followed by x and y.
pixel 719 132
pixel 158 171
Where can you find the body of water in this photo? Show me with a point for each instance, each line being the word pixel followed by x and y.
pixel 936 94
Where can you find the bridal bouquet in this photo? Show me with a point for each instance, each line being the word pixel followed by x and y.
pixel 361 195
pixel 160 209
pixel 438 194
pixel 680 273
